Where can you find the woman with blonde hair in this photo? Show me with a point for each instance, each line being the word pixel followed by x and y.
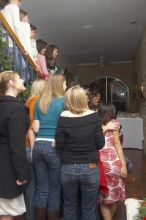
pixel 45 155
pixel 79 136
pixel 14 167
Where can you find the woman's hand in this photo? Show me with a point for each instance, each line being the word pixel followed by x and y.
pixel 124 171
pixel 109 126
pixel 19 183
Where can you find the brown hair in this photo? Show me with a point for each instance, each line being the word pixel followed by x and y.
pixel 41 44
pixel 49 51
pixel 5 77
pixel 76 100
pixel 106 112
pixel 53 89
pixel 22 14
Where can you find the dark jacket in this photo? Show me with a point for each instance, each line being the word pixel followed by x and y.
pixel 80 138
pixel 14 123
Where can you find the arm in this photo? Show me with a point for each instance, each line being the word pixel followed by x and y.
pixel 36 126
pixel 120 153
pixel 43 65
pixel 109 126
pixel 36 122
pixel 99 137
pixel 17 134
pixel 26 37
pixel 16 20
pixel 59 136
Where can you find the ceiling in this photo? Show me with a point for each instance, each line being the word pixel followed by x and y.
pixel 89 31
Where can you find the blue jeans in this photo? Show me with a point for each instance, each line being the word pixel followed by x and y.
pixel 47 169
pixel 29 193
pixel 19 63
pixel 74 176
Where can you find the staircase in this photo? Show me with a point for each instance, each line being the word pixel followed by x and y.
pixel 19 54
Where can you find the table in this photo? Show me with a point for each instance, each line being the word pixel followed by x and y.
pixel 132 129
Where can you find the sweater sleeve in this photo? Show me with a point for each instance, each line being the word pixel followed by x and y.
pixel 99 139
pixel 17 133
pixel 16 20
pixel 26 37
pixel 42 64
pixel 60 135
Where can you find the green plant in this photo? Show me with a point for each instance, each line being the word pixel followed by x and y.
pixel 5 63
pixel 134 92
pixel 142 211
pixel 25 95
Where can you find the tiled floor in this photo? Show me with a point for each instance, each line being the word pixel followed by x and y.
pixel 136 181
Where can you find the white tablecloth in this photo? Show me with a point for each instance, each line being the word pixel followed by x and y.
pixel 132 129
pixel 132 206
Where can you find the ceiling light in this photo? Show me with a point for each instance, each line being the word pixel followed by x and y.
pixel 133 22
pixel 87 27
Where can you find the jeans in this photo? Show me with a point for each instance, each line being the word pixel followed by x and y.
pixel 74 176
pixel 29 193
pixel 19 63
pixel 47 169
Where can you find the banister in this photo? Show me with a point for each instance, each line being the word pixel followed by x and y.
pixel 18 43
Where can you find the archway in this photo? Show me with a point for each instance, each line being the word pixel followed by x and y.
pixel 112 90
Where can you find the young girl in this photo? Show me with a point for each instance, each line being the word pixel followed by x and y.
pixel 14 167
pixel 79 136
pixel 51 54
pixel 42 66
pixel 25 40
pixel 46 157
pixel 113 162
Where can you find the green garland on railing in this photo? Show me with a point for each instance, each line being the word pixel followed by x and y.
pixel 5 63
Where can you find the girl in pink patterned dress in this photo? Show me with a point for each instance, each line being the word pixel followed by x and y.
pixel 113 162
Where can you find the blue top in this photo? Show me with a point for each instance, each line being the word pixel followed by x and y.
pixel 48 122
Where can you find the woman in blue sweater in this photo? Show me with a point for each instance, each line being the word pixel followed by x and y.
pixel 45 155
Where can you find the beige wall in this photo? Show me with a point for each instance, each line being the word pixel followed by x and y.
pixel 89 73
pixel 140 67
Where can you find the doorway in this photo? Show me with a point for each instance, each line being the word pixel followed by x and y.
pixel 112 90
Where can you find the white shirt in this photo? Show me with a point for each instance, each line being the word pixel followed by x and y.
pixel 11 13
pixel 25 37
pixel 34 50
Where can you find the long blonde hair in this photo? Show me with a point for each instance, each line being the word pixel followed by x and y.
pixel 53 89
pixel 5 77
pixel 37 87
pixel 76 100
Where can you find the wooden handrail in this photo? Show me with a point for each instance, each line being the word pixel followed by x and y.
pixel 18 43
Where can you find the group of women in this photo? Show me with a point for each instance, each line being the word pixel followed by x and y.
pixel 68 137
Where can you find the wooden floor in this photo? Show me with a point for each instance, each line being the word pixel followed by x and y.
pixel 136 181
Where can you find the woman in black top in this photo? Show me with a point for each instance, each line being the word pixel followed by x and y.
pixel 14 168
pixel 79 134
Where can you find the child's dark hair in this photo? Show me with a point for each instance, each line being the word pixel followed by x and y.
pixel 106 112
pixel 33 27
pixel 23 14
pixel 41 44
pixel 49 51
